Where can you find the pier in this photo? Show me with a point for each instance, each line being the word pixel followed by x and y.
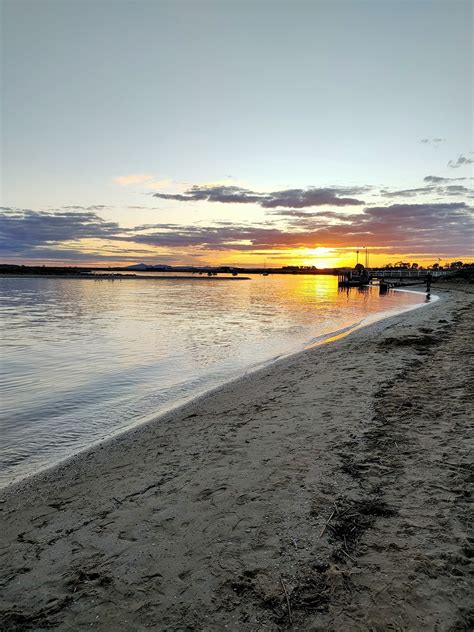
pixel 390 277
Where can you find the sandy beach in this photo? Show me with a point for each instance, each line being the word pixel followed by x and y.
pixel 328 491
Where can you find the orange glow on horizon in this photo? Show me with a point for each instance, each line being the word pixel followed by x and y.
pixel 321 257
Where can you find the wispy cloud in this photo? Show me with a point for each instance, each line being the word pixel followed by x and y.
pixel 146 180
pixel 144 208
pixel 93 207
pixel 457 189
pixel 439 179
pixel 134 178
pixel 408 192
pixel 433 141
pixel 289 198
pixel 462 161
pixel 439 190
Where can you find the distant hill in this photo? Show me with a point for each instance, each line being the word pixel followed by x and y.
pixel 143 266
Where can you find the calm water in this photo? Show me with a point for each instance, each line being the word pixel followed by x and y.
pixel 82 359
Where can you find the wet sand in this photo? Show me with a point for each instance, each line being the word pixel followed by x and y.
pixel 328 491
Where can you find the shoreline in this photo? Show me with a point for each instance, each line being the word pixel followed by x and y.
pixel 238 503
pixel 123 277
pixel 175 409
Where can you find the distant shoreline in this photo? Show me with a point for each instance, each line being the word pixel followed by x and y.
pixel 123 277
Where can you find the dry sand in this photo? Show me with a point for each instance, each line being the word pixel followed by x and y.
pixel 327 492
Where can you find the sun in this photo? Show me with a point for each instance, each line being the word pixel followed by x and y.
pixel 321 257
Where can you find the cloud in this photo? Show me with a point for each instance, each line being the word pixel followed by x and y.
pixel 289 198
pixel 460 162
pixel 309 218
pixel 442 229
pixel 23 230
pixel 224 194
pixel 134 178
pixel 439 179
pixel 144 208
pixel 457 189
pixel 449 190
pixel 298 198
pixel 433 141
pixel 407 192
pixel 148 181
pixel 93 207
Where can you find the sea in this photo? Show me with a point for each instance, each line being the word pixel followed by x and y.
pixel 84 359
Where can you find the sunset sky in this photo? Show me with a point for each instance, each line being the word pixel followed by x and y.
pixel 236 131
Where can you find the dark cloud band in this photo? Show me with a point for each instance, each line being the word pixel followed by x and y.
pixel 289 198
pixel 444 229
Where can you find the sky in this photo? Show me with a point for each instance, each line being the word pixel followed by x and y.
pixel 236 132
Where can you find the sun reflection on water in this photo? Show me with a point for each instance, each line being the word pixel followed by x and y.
pixel 84 358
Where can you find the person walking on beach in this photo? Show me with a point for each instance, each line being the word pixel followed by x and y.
pixel 429 277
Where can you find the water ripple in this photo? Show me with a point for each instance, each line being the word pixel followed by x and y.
pixel 81 360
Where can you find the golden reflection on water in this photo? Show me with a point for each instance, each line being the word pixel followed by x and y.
pixel 82 358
